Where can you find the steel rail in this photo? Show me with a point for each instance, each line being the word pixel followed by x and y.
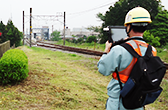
pixel 72 49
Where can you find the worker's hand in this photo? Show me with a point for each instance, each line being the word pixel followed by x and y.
pixel 108 47
pixel 126 38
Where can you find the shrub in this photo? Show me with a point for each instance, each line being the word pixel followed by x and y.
pixel 80 40
pixel 149 38
pixel 91 39
pixel 13 66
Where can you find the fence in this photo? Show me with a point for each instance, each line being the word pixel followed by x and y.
pixel 4 47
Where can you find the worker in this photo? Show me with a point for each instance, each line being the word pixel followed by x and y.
pixel 118 57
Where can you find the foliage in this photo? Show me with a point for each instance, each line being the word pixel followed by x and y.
pixel 13 66
pixel 101 16
pixel 91 46
pixel 12 34
pixel 91 39
pixel 55 35
pixel 68 40
pixel 80 40
pixel 3 38
pixel 149 38
pixel 116 13
pixel 160 27
pixel 74 41
pixel 94 28
pixel 84 37
pixel 103 36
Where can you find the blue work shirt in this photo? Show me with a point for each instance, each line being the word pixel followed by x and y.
pixel 120 58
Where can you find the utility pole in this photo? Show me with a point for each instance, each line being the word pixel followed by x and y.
pixel 23 28
pixel 52 28
pixel 30 25
pixel 64 28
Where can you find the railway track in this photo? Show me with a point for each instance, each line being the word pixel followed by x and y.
pixel 73 49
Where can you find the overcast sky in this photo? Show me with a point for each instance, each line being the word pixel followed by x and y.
pixel 79 13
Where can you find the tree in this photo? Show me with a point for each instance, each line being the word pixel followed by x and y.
pixel 116 13
pixel 74 41
pixel 55 36
pixel 102 35
pixel 160 26
pixel 10 32
pixel 84 37
pixel 80 40
pixel 2 30
pixel 18 36
pixel 91 39
pixel 13 34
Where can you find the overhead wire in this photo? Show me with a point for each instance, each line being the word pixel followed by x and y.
pixel 91 9
pixel 77 14
pixel 73 15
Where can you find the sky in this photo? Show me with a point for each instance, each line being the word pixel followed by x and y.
pixel 79 13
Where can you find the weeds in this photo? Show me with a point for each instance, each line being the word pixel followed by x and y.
pixel 58 81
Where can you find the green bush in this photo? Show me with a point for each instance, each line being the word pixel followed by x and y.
pixel 91 39
pixel 13 66
pixel 149 38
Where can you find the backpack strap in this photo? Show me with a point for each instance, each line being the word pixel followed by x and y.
pixel 148 53
pixel 135 38
pixel 130 50
pixel 116 70
pixel 119 42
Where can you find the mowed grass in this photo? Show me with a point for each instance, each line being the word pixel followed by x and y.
pixel 63 81
pixel 57 81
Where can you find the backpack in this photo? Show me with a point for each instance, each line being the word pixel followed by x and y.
pixel 143 84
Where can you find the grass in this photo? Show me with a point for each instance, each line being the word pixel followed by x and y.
pixel 163 53
pixel 63 81
pixel 91 46
pixel 57 80
pixel 162 102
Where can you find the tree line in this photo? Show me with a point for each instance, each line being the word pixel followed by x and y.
pixel 156 33
pixel 56 37
pixel 10 32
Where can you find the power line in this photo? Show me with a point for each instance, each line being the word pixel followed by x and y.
pixel 91 9
pixel 77 14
